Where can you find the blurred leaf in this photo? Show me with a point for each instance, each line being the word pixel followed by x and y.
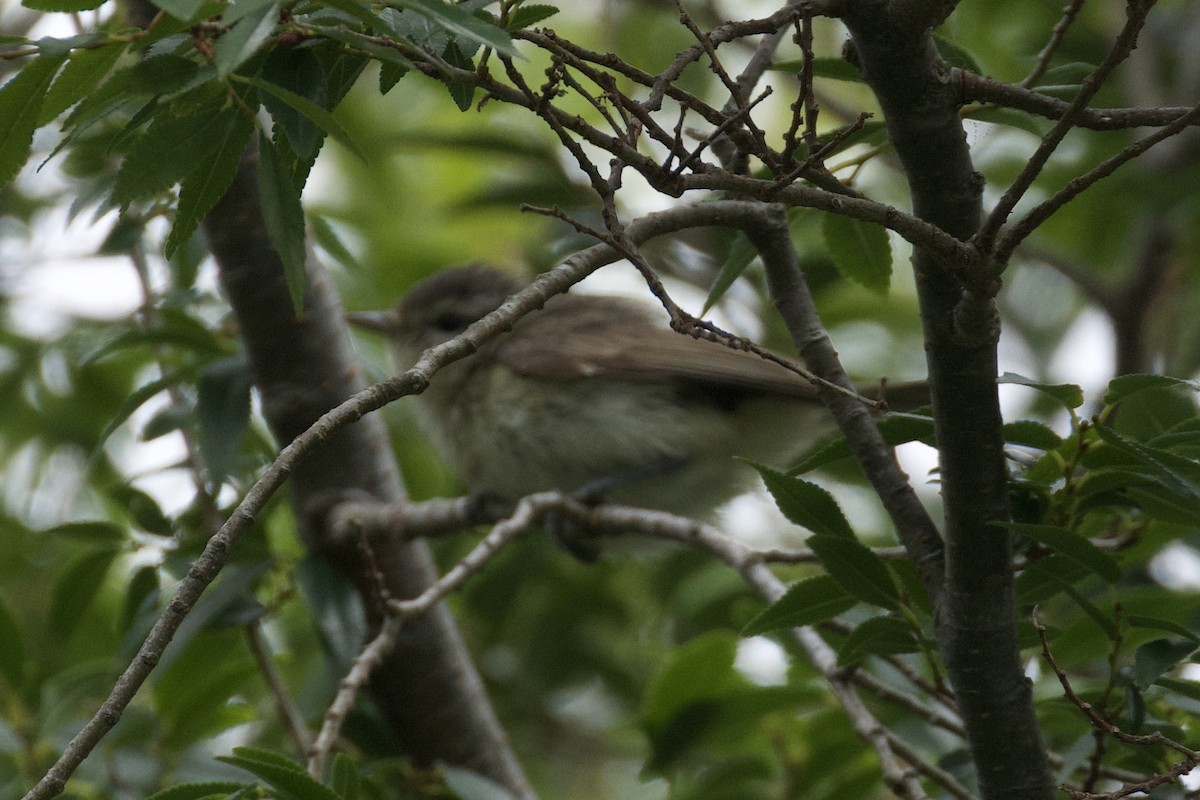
pixel 1153 623
pixel 142 509
pixel 1072 73
pixel 956 55
pixel 12 654
pixel 20 106
pixel 327 239
pixel 896 428
pixel 345 779
pixel 837 69
pixel 806 602
pixel 106 535
pixel 468 785
pixel 197 791
pixel 1068 394
pixel 229 602
pixel 877 636
pixel 1154 659
pixel 860 250
pixel 284 218
pixel 805 503
pixel 139 397
pixel 336 610
pixel 142 587
pixel 183 10
pixel 859 571
pixel 1188 689
pixel 1070 545
pixel 223 413
pixel 998 115
pixel 76 589
pixel 699 670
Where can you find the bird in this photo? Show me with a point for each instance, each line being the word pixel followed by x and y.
pixel 596 395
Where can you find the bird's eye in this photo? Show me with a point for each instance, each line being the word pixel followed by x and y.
pixel 450 322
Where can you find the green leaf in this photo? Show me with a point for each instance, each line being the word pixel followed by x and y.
pixel 1154 659
pixel 1156 624
pixel 1176 473
pixel 806 602
pixel 859 571
pixel 469 785
pixel 223 413
pixel 998 115
pixel 455 21
pixel 955 55
pixel 104 534
pixel 142 509
pixel 182 10
pixel 1072 73
pixel 741 254
pixel 20 106
pixel 83 73
pixel 327 239
pixel 197 791
pixel 1072 546
pixel 1047 577
pixel 142 586
pixel 284 218
pixel 896 428
pixel 1068 394
pixel 345 778
pixel 65 6
pixel 877 636
pixel 699 670
pixel 1031 434
pixel 1189 689
pixel 462 93
pixel 527 15
pixel 138 398
pixel 860 251
pixel 242 41
pixel 12 654
pixel 1124 386
pixel 805 503
pixel 201 190
pixel 836 69
pixel 311 111
pixel 76 589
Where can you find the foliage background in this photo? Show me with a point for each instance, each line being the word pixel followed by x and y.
pixel 579 659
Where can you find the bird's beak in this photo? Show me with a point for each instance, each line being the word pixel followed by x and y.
pixel 378 321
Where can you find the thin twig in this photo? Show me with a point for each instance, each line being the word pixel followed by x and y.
pixel 285 706
pixel 1069 13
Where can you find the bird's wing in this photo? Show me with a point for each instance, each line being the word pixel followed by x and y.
pixel 577 340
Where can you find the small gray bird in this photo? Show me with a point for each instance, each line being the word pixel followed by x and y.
pixel 596 392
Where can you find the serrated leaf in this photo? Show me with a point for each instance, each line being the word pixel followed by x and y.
pixel 201 190
pixel 805 503
pixel 1176 473
pixel 20 106
pixel 469 785
pixel 1070 545
pixel 1154 659
pixel 1068 394
pixel 1031 434
pixel 459 23
pixel 182 10
pixel 877 636
pixel 860 251
pixel 527 15
pixel 83 73
pixel 197 791
pixel 859 571
pixel 806 602
pixel 463 94
pixel 311 111
pixel 284 218
pixel 223 413
pixel 896 429
pixel 1124 386
pixel 741 254
pixel 76 589
pixel 242 41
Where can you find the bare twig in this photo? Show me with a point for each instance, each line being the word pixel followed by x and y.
pixel 286 707
pixel 1069 13
pixel 1122 47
